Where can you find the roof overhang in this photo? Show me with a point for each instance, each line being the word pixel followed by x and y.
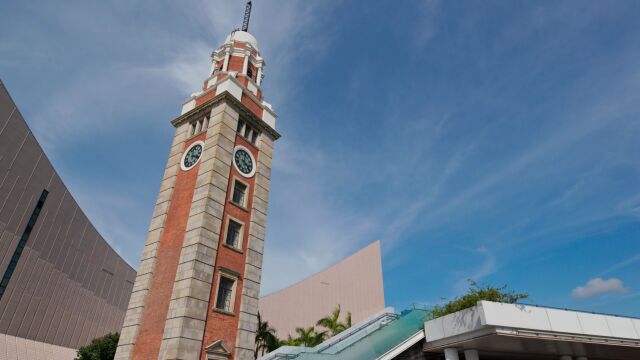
pixel 526 330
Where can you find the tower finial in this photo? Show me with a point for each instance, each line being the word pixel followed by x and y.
pixel 247 14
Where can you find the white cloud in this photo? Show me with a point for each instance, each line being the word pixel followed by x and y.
pixel 598 286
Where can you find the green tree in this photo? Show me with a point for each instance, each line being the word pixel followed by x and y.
pixel 308 337
pixel 102 348
pixel 477 293
pixel 333 324
pixel 266 339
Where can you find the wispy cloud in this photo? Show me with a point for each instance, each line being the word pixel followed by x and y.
pixel 620 265
pixel 431 126
pixel 306 231
pixel 486 267
pixel 598 286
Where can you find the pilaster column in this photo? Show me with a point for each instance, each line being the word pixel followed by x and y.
pixel 471 355
pixel 225 65
pixel 451 354
pixel 245 66
pixel 259 77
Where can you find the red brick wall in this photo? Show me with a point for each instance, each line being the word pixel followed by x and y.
pixel 243 80
pixel 147 345
pixel 251 105
pixel 221 325
pixel 207 96
pixel 236 63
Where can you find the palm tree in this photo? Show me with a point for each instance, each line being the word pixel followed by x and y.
pixel 307 337
pixel 290 341
pixel 333 323
pixel 266 339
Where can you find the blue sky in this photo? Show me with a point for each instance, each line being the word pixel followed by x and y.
pixel 489 140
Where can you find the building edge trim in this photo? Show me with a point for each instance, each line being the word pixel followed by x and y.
pixel 205 108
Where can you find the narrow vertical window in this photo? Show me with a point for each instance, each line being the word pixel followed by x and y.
pixel 224 299
pixel 240 127
pixel 247 132
pixel 233 234
pixel 254 137
pixel 23 241
pixel 249 72
pixel 239 193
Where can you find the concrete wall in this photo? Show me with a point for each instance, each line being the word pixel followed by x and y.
pixel 69 285
pixel 355 283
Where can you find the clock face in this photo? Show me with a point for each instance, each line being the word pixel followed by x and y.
pixel 244 162
pixel 191 156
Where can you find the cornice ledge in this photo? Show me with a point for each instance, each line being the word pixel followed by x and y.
pixel 205 109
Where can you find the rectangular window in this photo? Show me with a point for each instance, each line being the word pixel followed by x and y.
pixel 224 300
pixel 240 127
pixel 233 234
pixel 246 131
pixel 23 241
pixel 239 193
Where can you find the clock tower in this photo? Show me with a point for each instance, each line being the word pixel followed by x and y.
pixel 196 292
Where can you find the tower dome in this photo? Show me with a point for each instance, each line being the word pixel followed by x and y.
pixel 242 36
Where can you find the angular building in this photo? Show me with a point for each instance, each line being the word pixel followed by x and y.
pixel 354 283
pixel 62 284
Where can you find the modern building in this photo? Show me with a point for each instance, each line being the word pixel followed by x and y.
pixel 196 291
pixel 487 331
pixel 62 284
pixel 354 283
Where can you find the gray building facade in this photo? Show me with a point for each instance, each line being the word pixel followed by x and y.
pixel 61 284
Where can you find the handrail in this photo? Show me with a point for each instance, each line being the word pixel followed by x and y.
pixel 352 331
pixel 383 319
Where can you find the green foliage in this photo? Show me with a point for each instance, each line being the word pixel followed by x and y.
pixel 308 337
pixel 266 339
pixel 332 322
pixel 477 293
pixel 102 348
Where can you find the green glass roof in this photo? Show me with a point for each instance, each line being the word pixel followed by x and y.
pixel 370 341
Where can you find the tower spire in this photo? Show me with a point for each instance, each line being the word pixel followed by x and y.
pixel 247 15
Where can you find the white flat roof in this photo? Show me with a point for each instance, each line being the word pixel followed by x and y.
pixel 517 328
pixel 533 318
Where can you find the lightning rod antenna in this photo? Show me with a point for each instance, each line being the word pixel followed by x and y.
pixel 247 14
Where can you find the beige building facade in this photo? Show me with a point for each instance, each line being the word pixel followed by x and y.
pixel 355 283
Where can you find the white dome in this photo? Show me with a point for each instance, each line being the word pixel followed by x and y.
pixel 244 37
